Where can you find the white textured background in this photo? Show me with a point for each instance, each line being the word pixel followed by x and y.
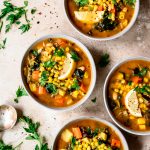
pixel 135 43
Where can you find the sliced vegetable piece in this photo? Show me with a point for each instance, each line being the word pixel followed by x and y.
pixel 77 132
pixel 136 79
pixel 115 143
pixel 66 135
pixel 41 90
pixel 35 75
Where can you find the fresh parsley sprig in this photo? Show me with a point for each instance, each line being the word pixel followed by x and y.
pixel 19 93
pixel 32 130
pixel 104 60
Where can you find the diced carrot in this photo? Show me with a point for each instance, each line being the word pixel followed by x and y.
pixel 41 90
pixel 59 101
pixel 113 10
pixel 115 143
pixel 35 75
pixel 100 8
pixel 136 79
pixel 61 42
pixel 77 133
pixel 83 88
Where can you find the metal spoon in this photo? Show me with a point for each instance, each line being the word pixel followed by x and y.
pixel 8 117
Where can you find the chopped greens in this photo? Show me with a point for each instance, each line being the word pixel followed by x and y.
pixel 44 78
pixel 73 142
pixel 19 93
pixel 1 25
pixel 81 2
pixel 51 88
pixel 32 130
pixel 59 52
pixel 75 85
pixel 49 63
pixel 143 90
pixel 2 45
pixel 104 60
pixel 74 56
pixel 129 2
pixel 94 100
pixel 25 27
pixel 140 73
pixel 33 10
pixel 35 53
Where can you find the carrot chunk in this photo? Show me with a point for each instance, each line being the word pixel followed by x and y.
pixel 35 75
pixel 100 8
pixel 59 101
pixel 77 133
pixel 83 88
pixel 115 143
pixel 41 90
pixel 61 42
pixel 136 79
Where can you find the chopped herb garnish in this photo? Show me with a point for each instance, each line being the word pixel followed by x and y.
pixel 49 64
pixel 51 88
pixel 130 2
pixel 59 52
pixel 32 130
pixel 73 142
pixel 81 2
pixel 143 90
pixel 75 56
pixel 19 93
pixel 13 14
pixel 35 53
pixel 25 27
pixel 130 83
pixel 44 78
pixel 95 133
pixel 104 60
pixel 1 25
pixel 2 45
pixel 94 100
pixel 75 85
pixel 142 72
pixel 33 10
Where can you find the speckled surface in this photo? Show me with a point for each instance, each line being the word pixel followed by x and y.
pixel 51 20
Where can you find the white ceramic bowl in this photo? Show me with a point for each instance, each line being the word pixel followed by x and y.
pixel 93 71
pixel 105 38
pixel 106 96
pixel 113 127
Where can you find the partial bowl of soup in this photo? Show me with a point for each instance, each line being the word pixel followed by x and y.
pixel 89 133
pixel 59 72
pixel 102 19
pixel 127 95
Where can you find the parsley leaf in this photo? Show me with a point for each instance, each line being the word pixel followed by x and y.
pixel 74 56
pixel 3 146
pixel 2 45
pixel 32 130
pixel 33 10
pixel 1 25
pixel 19 93
pixel 75 85
pixel 51 88
pixel 73 142
pixel 143 72
pixel 130 2
pixel 104 60
pixel 81 2
pixel 143 90
pixel 44 78
pixel 25 27
pixel 94 100
pixel 49 63
pixel 59 52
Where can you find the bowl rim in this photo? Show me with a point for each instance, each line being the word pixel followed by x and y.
pixel 115 36
pixel 95 118
pixel 87 53
pixel 135 132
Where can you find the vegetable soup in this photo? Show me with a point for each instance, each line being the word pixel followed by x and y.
pixel 129 94
pixel 57 72
pixel 100 18
pixel 87 135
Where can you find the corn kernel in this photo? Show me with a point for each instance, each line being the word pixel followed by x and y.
pixel 142 127
pixel 141 121
pixel 145 80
